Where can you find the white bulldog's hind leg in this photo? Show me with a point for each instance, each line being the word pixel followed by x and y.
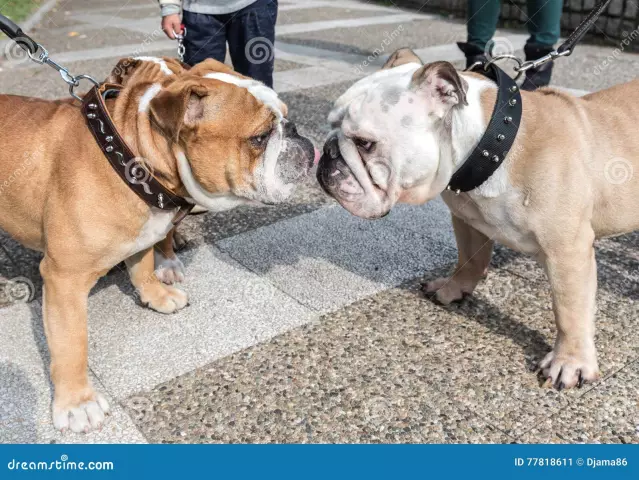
pixel 168 267
pixel 572 272
pixel 168 270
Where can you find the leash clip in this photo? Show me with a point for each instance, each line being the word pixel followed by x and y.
pixel 541 61
pixel 181 49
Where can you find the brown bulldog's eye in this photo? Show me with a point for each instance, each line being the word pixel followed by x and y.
pixel 259 141
pixel 363 144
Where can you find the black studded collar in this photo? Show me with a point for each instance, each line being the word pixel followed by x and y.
pixel 498 138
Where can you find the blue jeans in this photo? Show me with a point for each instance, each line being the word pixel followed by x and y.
pixel 250 33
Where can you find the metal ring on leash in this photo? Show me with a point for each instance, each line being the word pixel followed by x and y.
pixel 496 58
pixel 76 82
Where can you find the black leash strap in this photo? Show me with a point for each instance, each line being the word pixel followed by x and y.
pixel 575 37
pixel 16 34
pixel 497 140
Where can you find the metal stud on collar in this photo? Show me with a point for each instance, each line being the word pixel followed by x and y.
pixel 495 158
pixel 512 102
pixel 500 137
pixel 485 153
pixel 508 119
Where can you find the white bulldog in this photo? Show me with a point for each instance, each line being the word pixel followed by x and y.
pixel 400 134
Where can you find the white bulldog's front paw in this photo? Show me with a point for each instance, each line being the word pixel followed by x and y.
pixel 81 417
pixel 446 290
pixel 168 270
pixel 564 369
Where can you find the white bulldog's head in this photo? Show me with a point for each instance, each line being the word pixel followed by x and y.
pixel 389 132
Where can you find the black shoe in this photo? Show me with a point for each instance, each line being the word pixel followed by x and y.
pixel 540 76
pixel 475 54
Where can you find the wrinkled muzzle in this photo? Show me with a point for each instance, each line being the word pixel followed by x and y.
pixel 348 180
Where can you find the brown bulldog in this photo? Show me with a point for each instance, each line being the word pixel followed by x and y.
pixel 211 136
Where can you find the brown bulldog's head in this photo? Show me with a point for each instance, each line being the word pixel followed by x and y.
pixel 227 136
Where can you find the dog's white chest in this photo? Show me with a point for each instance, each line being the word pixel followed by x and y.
pixel 499 218
pixel 157 226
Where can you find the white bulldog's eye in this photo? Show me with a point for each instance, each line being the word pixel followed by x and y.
pixel 363 144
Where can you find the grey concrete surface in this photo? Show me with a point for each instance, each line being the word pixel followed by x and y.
pixel 307 324
pixel 314 256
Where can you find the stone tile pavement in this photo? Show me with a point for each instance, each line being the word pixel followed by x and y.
pixel 306 324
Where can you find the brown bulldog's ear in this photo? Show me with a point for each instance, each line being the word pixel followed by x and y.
pixel 401 57
pixel 123 71
pixel 151 68
pixel 178 106
pixel 442 83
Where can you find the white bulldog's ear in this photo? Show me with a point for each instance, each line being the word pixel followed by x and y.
pixel 401 57
pixel 441 82
pixel 172 109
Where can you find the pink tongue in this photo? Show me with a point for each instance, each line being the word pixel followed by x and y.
pixel 317 156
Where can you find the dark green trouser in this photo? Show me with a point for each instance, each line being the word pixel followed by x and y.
pixel 543 23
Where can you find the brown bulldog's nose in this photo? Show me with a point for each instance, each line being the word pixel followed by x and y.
pixel 331 148
pixel 290 130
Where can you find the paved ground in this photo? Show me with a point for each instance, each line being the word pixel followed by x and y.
pixel 306 324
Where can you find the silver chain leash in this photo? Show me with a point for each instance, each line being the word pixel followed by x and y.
pixel 181 49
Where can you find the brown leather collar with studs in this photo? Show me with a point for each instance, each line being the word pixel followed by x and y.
pixel 132 169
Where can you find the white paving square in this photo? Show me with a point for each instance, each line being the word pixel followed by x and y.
pixel 134 348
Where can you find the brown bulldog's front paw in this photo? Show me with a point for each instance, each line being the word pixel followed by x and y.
pixel 564 370
pixel 163 298
pixel 80 412
pixel 446 290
